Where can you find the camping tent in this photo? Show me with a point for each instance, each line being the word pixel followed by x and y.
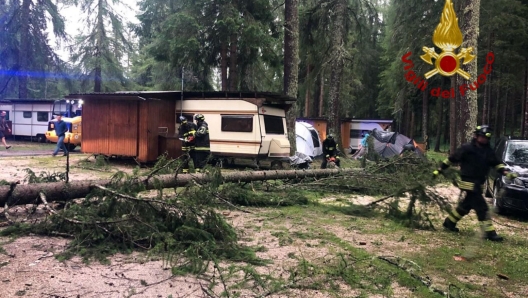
pixel 389 144
pixel 308 141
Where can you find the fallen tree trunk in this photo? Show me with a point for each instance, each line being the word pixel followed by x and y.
pixel 62 191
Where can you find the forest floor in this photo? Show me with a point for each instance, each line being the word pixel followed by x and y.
pixel 332 247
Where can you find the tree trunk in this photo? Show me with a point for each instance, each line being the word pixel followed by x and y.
pixel 307 95
pixel 23 54
pixel 487 88
pixel 453 113
pixel 337 64
pixel 513 118
pixel 233 80
pixel 497 109
pixel 321 94
pixel 524 118
pixel 98 59
pixel 291 63
pixel 223 65
pixel 425 114
pixel 469 106
pixel 439 126
pixel 60 191
pixel 504 109
pixel 411 129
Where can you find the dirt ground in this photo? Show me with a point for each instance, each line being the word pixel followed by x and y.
pixel 29 267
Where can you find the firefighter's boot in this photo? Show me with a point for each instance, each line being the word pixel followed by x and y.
pixel 489 231
pixel 450 225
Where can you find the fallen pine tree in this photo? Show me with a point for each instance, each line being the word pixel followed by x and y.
pixel 19 194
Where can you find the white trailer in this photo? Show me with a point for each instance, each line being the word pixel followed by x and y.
pixel 360 126
pixel 242 128
pixel 28 117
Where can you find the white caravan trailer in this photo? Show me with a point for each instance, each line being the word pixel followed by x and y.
pixel 28 117
pixel 360 126
pixel 246 128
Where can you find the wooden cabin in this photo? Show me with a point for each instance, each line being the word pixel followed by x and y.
pixel 320 124
pixel 143 125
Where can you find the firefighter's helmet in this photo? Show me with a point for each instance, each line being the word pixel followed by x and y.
pixel 199 117
pixel 330 137
pixel 182 119
pixel 483 130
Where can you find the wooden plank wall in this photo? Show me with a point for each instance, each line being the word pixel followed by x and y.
pixel 167 115
pixel 122 128
pixel 95 127
pixel 109 127
pixel 322 127
pixel 345 136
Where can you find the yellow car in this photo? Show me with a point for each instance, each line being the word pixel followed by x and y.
pixel 73 136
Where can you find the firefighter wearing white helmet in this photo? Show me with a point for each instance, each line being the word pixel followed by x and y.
pixel 475 159
pixel 203 144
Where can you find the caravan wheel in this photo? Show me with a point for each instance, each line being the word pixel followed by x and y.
pixel 41 138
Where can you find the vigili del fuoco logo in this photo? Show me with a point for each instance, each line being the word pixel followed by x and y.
pixel 448 37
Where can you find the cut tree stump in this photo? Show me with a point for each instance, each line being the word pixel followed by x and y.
pixel 62 191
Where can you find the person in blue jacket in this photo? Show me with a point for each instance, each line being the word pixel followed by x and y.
pixel 60 129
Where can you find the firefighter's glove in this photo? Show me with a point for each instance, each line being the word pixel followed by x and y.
pixel 511 175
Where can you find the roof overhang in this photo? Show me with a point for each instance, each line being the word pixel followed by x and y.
pixel 268 97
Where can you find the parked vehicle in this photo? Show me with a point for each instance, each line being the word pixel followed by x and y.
pixel 354 128
pixel 71 111
pixel 28 118
pixel 507 193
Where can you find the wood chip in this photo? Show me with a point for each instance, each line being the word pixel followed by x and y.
pixel 362 243
pixel 459 258
pixel 502 276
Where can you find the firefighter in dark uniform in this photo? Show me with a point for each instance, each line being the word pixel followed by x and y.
pixel 330 149
pixel 186 132
pixel 475 159
pixel 203 145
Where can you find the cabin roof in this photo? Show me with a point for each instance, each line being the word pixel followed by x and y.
pixel 368 120
pixel 312 118
pixel 28 100
pixel 270 97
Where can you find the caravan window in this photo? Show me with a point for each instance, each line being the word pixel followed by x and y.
pixel 42 117
pixel 26 114
pixel 237 123
pixel 315 137
pixel 355 134
pixel 274 125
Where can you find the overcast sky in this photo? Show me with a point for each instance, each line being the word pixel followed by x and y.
pixel 75 22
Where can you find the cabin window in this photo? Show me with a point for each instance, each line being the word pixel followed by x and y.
pixel 42 116
pixel 237 123
pixel 274 125
pixel 315 137
pixel 26 114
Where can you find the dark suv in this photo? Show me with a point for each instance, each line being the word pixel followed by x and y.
pixel 510 193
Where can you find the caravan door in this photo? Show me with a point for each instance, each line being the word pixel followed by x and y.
pixel 274 134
